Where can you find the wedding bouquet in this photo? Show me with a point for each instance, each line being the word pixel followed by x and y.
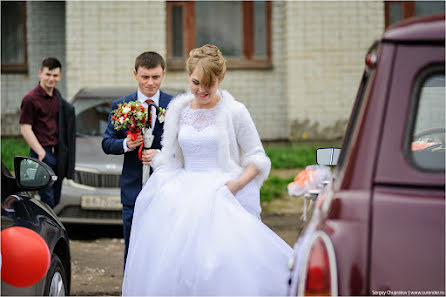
pixel 132 116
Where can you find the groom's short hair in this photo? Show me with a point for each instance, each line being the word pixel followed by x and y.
pixel 149 60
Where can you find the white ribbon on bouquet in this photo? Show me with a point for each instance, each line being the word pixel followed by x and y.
pixel 148 141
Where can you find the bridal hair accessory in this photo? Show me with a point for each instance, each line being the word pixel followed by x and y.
pixel 130 115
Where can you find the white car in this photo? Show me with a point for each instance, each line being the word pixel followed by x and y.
pixel 93 196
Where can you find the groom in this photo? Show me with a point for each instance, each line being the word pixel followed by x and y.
pixel 149 72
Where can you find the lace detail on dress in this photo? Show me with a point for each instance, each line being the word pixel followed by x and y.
pixel 197 137
pixel 198 118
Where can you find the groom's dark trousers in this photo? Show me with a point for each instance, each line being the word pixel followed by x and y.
pixel 131 178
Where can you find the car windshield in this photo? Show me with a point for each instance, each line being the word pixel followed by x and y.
pixel 92 118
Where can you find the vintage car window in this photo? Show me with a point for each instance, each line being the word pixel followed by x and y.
pixel 426 147
pixel 358 105
pixel 354 117
pixel 93 121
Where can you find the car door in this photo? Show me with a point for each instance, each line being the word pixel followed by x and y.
pixel 407 250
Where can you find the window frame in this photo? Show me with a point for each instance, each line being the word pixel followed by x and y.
pixel 422 77
pixel 407 8
pixel 19 67
pixel 247 61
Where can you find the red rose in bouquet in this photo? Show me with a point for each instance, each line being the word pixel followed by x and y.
pixel 132 116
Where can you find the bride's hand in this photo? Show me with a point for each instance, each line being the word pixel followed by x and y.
pixel 247 175
pixel 147 156
pixel 234 186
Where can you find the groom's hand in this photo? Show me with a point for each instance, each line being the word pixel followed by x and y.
pixel 147 156
pixel 134 144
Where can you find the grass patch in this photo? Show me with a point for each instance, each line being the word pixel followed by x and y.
pixel 12 147
pixel 287 156
pixel 274 187
pixel 282 157
pixel 291 156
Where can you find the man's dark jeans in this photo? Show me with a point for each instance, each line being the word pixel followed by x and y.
pixel 50 196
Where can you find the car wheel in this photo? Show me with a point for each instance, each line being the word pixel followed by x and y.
pixel 56 279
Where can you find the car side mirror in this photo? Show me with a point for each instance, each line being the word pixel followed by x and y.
pixel 32 174
pixel 327 156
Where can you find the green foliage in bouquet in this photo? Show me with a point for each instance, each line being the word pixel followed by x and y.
pixel 131 115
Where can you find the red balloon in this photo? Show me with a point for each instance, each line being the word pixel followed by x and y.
pixel 25 256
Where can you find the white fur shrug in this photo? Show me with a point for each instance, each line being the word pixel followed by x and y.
pixel 239 141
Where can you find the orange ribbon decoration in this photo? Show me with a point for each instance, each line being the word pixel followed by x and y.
pixel 139 152
pixel 133 134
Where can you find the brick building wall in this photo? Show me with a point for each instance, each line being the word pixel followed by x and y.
pixel 101 52
pixel 326 43
pixel 318 52
pixel 45 21
pixel 104 38
pixel 262 91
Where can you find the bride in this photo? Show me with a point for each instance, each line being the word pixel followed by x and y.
pixel 196 227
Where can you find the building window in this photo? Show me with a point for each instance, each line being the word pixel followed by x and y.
pixel 241 30
pixel 14 52
pixel 399 10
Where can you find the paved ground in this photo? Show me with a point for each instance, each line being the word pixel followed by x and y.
pixel 97 252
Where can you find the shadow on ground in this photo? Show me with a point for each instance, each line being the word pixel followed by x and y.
pixel 91 232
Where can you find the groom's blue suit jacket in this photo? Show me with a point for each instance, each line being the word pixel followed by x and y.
pixel 131 179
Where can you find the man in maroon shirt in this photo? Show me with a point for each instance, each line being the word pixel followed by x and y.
pixel 40 126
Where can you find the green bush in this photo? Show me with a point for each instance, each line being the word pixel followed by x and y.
pixel 274 187
pixel 12 147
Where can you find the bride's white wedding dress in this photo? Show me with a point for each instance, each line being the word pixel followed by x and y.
pixel 191 236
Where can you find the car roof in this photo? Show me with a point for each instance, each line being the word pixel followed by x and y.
pixel 111 93
pixel 419 29
pixel 103 93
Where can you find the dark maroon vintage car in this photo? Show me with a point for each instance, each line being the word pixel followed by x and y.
pixel 378 227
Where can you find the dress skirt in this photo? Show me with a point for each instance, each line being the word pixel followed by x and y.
pixel 191 236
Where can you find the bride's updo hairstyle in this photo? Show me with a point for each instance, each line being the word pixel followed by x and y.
pixel 209 62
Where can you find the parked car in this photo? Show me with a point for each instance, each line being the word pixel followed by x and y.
pixel 378 226
pixel 19 209
pixel 93 196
